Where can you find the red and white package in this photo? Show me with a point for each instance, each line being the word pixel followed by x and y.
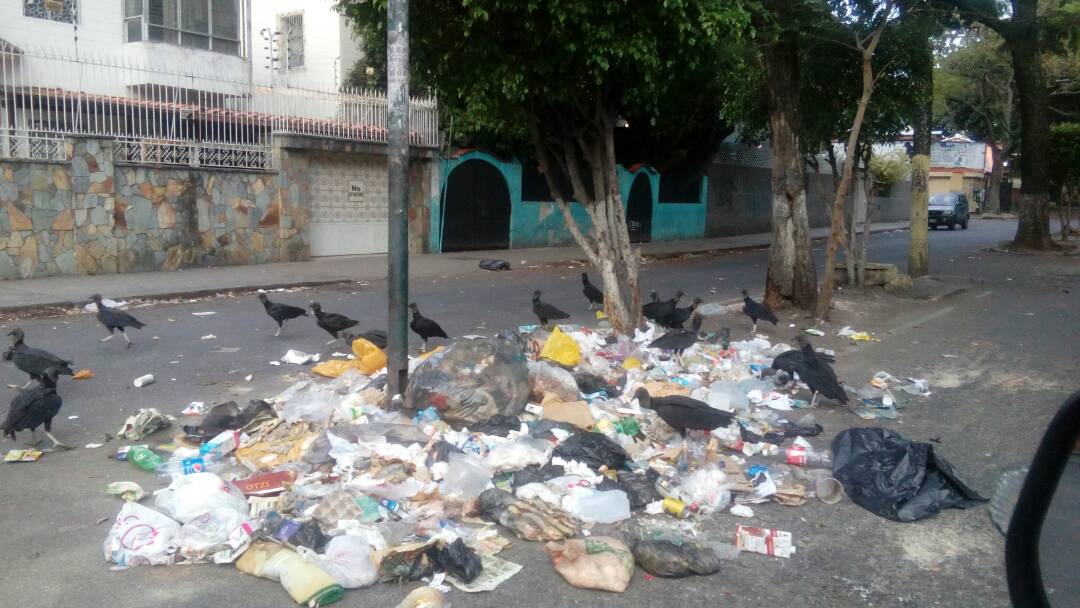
pixel 767 541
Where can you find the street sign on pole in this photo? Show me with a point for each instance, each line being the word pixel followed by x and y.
pixel 397 152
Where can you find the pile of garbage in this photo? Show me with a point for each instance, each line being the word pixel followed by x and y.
pixel 533 434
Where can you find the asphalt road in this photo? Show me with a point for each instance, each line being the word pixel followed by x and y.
pixel 1014 333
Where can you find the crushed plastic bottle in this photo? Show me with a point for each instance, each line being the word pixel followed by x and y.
pixel 144 458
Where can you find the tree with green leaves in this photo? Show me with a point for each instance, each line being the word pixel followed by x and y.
pixel 1065 169
pixel 558 76
pixel 1028 30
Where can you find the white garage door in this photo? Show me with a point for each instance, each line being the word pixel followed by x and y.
pixel 348 204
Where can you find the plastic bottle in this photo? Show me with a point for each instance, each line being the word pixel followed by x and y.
pixel 176 467
pixel 806 457
pixel 628 426
pixel 143 458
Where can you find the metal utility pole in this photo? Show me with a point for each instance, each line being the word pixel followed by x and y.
pixel 397 152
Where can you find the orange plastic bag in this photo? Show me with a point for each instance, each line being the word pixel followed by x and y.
pixel 369 359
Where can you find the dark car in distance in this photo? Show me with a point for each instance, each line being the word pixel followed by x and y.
pixel 948 209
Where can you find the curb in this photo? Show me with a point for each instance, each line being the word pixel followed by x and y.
pixel 43 309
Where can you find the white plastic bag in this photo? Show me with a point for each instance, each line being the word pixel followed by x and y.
pixel 141 536
pixel 520 453
pixel 209 533
pixel 192 495
pixel 348 560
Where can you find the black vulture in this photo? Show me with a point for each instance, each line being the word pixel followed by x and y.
pixel 424 327
pixel 816 373
pixel 789 361
pixel 35 407
pixel 658 309
pixel 677 317
pixel 375 336
pixel 114 319
pixel 280 313
pixel 678 340
pixel 592 292
pixel 34 361
pixel 684 413
pixel 545 311
pixel 757 310
pixel 332 322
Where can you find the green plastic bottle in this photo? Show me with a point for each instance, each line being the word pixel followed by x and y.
pixel 628 426
pixel 144 458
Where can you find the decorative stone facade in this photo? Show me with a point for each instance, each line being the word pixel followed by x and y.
pixel 89 215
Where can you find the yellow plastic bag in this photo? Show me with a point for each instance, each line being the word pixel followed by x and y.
pixel 369 359
pixel 561 349
pixel 631 363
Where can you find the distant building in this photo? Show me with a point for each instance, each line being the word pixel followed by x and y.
pixel 302 43
pixel 958 164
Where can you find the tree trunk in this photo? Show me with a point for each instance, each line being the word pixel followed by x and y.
pixel 864 244
pixel 791 278
pixel 993 184
pixel 918 258
pixel 607 245
pixel 836 229
pixel 1033 229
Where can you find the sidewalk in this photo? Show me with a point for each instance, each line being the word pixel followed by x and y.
pixel 66 290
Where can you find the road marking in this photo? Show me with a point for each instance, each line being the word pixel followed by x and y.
pixel 983 295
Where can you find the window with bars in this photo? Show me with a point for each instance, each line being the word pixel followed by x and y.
pixel 291 27
pixel 64 11
pixel 211 25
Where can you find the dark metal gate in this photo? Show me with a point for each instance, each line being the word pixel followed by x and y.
pixel 476 209
pixel 639 210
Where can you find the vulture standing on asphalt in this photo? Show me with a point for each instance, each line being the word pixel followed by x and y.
pixel 816 373
pixel 332 322
pixel 757 310
pixel 592 292
pixel 684 413
pixel 546 312
pixel 34 361
pixel 679 316
pixel 424 327
pixel 658 309
pixel 375 336
pixel 34 407
pixel 114 319
pixel 280 313
pixel 678 340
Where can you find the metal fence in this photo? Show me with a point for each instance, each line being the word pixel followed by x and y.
pixel 173 117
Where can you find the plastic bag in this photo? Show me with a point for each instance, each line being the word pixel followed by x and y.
pixel 561 349
pixel 529 519
pixel 518 454
pixel 708 487
pixel 550 381
pixel 466 476
pixel 500 426
pixel 598 562
pixel 457 560
pixel 896 478
pixel 472 380
pixel 593 449
pixel 140 536
pixel 492 264
pixel 673 555
pixel 306 582
pixel 640 489
pixel 209 533
pixel 369 359
pixel 348 561
pixel 192 495
pixel 597 507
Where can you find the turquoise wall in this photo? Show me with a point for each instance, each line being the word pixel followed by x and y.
pixel 540 224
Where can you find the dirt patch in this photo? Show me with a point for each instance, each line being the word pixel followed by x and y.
pixel 936 544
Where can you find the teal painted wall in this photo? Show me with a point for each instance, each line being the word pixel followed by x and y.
pixel 540 224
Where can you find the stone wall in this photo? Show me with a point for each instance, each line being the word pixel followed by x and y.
pixel 36 230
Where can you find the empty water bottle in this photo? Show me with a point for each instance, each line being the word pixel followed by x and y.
pixel 806 457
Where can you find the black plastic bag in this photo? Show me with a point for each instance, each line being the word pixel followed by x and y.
pixel 672 555
pixel 494 264
pixel 536 474
pixel 593 449
pixel 640 489
pixel 456 559
pixel 541 429
pixel 499 425
pixel 897 478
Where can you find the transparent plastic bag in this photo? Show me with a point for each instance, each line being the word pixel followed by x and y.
pixel 547 380
pixel 139 536
pixel 192 495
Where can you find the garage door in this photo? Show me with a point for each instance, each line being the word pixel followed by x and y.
pixel 348 204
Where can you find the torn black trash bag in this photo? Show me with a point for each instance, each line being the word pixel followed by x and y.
pixel 897 478
pixel 458 560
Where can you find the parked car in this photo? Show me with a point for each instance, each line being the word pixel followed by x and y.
pixel 949 209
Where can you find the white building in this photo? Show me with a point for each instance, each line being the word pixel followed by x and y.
pixel 302 43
